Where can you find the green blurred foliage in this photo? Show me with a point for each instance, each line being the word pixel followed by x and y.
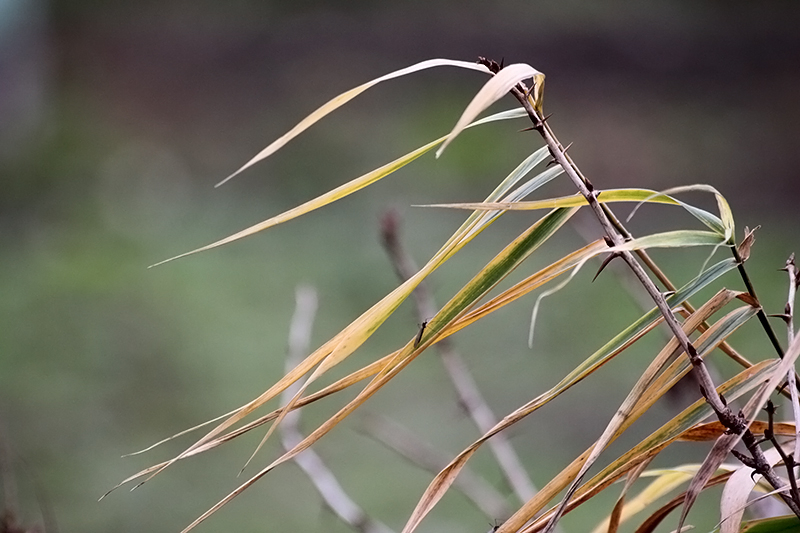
pixel 118 118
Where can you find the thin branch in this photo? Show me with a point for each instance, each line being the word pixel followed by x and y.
pixel 762 317
pixel 662 277
pixel 402 441
pixel 469 395
pixel 791 377
pixel 788 460
pixel 320 475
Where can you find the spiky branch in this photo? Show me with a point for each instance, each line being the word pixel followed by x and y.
pixel 734 423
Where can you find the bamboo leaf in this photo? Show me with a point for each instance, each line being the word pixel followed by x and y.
pixel 655 518
pixel 781 524
pixel 736 491
pixel 444 479
pixel 725 443
pixel 497 269
pixel 340 192
pixel 715 223
pixel 713 430
pixel 663 484
pixel 497 87
pixel 636 399
pixel 349 339
pixel 613 522
pixel 672 239
pixel 340 100
pixel 658 440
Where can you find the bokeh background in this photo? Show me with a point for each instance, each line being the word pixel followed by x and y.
pixel 117 118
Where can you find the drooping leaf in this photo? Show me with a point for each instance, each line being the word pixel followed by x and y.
pixel 655 518
pixel 438 487
pixel 740 384
pixel 497 87
pixel 713 430
pixel 340 192
pixel 611 525
pixel 488 277
pixel 639 196
pixel 634 401
pixel 725 443
pixel 338 101
pixel 735 493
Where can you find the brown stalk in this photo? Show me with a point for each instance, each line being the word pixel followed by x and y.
pixel 734 423
pixel 332 493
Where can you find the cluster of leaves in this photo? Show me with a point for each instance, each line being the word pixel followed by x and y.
pixel 469 304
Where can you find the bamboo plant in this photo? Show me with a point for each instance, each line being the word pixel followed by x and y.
pixel 765 459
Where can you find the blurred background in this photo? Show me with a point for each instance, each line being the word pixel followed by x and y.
pixel 117 118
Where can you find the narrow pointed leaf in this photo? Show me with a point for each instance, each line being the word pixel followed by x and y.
pixel 649 447
pixel 340 100
pixel 655 518
pixel 339 192
pixel 497 269
pixel 498 86
pixel 444 479
pixel 634 401
pixel 736 491
pixel 725 443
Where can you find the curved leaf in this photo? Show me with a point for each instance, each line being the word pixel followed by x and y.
pixel 338 101
pixel 340 192
pixel 740 384
pixel 444 479
pixel 497 269
pixel 494 89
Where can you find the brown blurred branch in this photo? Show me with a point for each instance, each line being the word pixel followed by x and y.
pixel 320 475
pixel 469 395
pixel 402 441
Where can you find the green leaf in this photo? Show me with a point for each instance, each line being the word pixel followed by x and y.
pixel 338 101
pixel 781 524
pixel 444 479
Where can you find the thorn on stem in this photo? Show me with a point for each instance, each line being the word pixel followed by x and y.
pixel 783 316
pixel 745 460
pixel 605 263
pixel 692 352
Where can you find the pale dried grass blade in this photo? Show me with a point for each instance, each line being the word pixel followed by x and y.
pixel 735 493
pixel 622 341
pixel 632 402
pixel 706 343
pixel 497 87
pixel 655 519
pixel 342 191
pixel 651 446
pixel 492 274
pixel 713 430
pixel 611 525
pixel 338 101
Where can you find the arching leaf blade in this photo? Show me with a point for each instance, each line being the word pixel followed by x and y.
pixel 339 100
